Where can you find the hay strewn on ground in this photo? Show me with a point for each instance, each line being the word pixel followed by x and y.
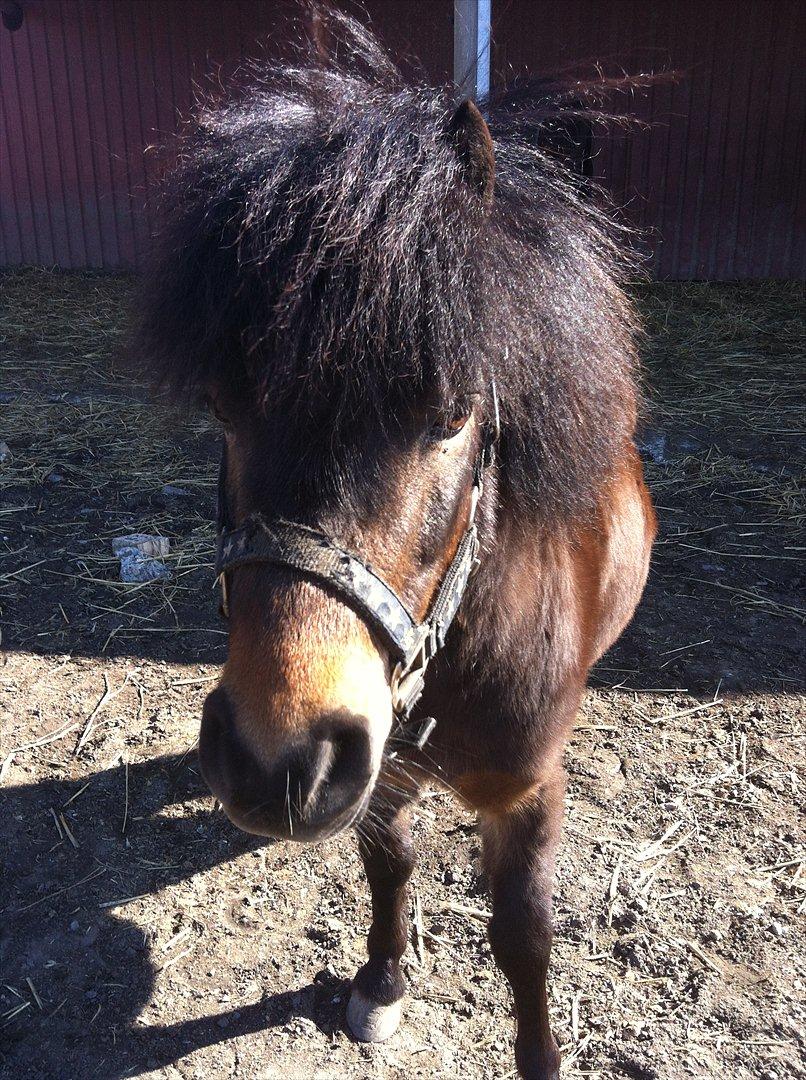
pixel 726 370
pixel 100 436
pixel 719 358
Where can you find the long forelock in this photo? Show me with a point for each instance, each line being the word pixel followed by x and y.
pixel 320 244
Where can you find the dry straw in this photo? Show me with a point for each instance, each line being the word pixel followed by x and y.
pixel 724 363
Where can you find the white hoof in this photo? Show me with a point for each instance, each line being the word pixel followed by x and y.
pixel 370 1022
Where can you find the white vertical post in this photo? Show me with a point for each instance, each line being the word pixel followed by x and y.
pixel 471 48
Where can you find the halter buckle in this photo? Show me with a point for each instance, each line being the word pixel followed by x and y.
pixel 408 677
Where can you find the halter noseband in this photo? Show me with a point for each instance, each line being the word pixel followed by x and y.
pixel 412 645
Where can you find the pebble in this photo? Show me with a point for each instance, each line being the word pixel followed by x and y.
pixel 777 929
pixel 301 1025
pixel 74 925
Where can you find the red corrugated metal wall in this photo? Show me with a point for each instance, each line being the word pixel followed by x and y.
pixel 717 179
pixel 86 85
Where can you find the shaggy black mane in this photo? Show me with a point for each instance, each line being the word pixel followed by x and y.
pixel 320 239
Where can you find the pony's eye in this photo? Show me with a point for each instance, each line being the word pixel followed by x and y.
pixel 452 424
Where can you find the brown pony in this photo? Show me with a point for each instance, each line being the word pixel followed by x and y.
pixel 349 265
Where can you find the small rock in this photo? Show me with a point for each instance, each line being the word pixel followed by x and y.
pixel 777 929
pixel 634 1029
pixel 74 925
pixel 301 1025
pixel 5 453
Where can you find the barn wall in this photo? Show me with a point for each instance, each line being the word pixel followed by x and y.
pixel 716 180
pixel 86 85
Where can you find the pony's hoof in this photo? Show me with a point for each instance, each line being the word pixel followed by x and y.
pixel 371 1022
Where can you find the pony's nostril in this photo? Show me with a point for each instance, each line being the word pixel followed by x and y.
pixel 339 764
pixel 322 761
pixel 353 754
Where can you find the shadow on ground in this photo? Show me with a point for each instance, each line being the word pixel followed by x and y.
pixel 100 967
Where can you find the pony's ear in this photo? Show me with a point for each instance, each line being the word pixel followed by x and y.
pixel 474 146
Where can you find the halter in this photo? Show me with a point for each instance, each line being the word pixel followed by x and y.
pixel 411 645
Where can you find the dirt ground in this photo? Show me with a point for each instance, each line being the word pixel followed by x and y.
pixel 143 935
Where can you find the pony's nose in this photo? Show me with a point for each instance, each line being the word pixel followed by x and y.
pixel 315 786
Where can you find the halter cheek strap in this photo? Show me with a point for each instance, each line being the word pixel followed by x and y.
pixel 313 554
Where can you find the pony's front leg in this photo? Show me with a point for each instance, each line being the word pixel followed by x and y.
pixel 519 847
pixel 387 851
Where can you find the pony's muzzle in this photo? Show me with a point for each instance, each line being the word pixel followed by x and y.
pixel 317 785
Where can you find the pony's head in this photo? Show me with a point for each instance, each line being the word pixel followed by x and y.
pixel 341 276
pixel 292 739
